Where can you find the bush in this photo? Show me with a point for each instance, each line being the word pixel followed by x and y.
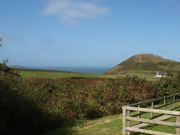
pixel 19 112
pixel 167 86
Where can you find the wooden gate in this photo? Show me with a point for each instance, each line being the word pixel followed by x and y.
pixel 157 119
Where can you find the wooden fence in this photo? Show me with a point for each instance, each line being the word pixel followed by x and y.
pixel 157 119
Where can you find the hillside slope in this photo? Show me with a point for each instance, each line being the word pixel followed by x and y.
pixel 144 61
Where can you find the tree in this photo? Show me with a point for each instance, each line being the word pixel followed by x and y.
pixel 0 41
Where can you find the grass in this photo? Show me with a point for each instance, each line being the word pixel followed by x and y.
pixel 109 125
pixel 27 73
pixel 111 128
pixel 148 74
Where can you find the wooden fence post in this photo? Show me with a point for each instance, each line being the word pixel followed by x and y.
pixel 164 104
pixel 174 101
pixel 178 128
pixel 139 116
pixel 152 106
pixel 124 120
pixel 128 121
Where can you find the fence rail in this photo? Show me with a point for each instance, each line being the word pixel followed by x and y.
pixel 127 118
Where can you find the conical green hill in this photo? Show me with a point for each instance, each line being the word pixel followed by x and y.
pixel 144 61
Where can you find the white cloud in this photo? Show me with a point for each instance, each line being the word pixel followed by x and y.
pixel 71 11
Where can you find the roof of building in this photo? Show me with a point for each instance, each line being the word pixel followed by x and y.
pixel 161 74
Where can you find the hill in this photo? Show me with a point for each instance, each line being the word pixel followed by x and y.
pixel 144 61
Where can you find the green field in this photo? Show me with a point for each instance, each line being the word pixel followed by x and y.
pixel 148 74
pixel 28 73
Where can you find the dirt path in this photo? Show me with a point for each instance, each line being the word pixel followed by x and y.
pixel 99 122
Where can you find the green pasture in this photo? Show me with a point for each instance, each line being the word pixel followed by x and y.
pixel 148 74
pixel 28 73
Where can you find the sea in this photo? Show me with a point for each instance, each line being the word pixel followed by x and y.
pixel 91 70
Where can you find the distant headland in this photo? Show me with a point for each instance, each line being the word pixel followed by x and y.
pixel 15 66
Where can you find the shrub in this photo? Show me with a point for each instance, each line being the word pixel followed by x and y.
pixel 19 112
pixel 167 86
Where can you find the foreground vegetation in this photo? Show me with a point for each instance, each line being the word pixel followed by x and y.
pixel 37 105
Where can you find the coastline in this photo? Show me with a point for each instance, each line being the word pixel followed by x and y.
pixel 91 70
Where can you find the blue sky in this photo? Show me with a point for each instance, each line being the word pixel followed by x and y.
pixel 87 33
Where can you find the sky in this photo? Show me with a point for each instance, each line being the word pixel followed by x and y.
pixel 87 33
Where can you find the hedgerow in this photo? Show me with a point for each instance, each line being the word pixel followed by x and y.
pixel 167 86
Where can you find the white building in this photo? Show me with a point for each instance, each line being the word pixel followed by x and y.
pixel 161 75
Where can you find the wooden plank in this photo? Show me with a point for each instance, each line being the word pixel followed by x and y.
pixel 178 128
pixel 164 117
pixel 128 121
pixel 175 108
pixel 153 110
pixel 166 104
pixel 134 115
pixel 152 107
pixel 124 120
pixel 157 119
pixel 139 116
pixel 141 125
pixel 174 99
pixel 147 131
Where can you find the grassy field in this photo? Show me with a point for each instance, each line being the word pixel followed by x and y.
pixel 27 73
pixel 148 74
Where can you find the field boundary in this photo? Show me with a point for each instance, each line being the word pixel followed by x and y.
pixel 127 128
